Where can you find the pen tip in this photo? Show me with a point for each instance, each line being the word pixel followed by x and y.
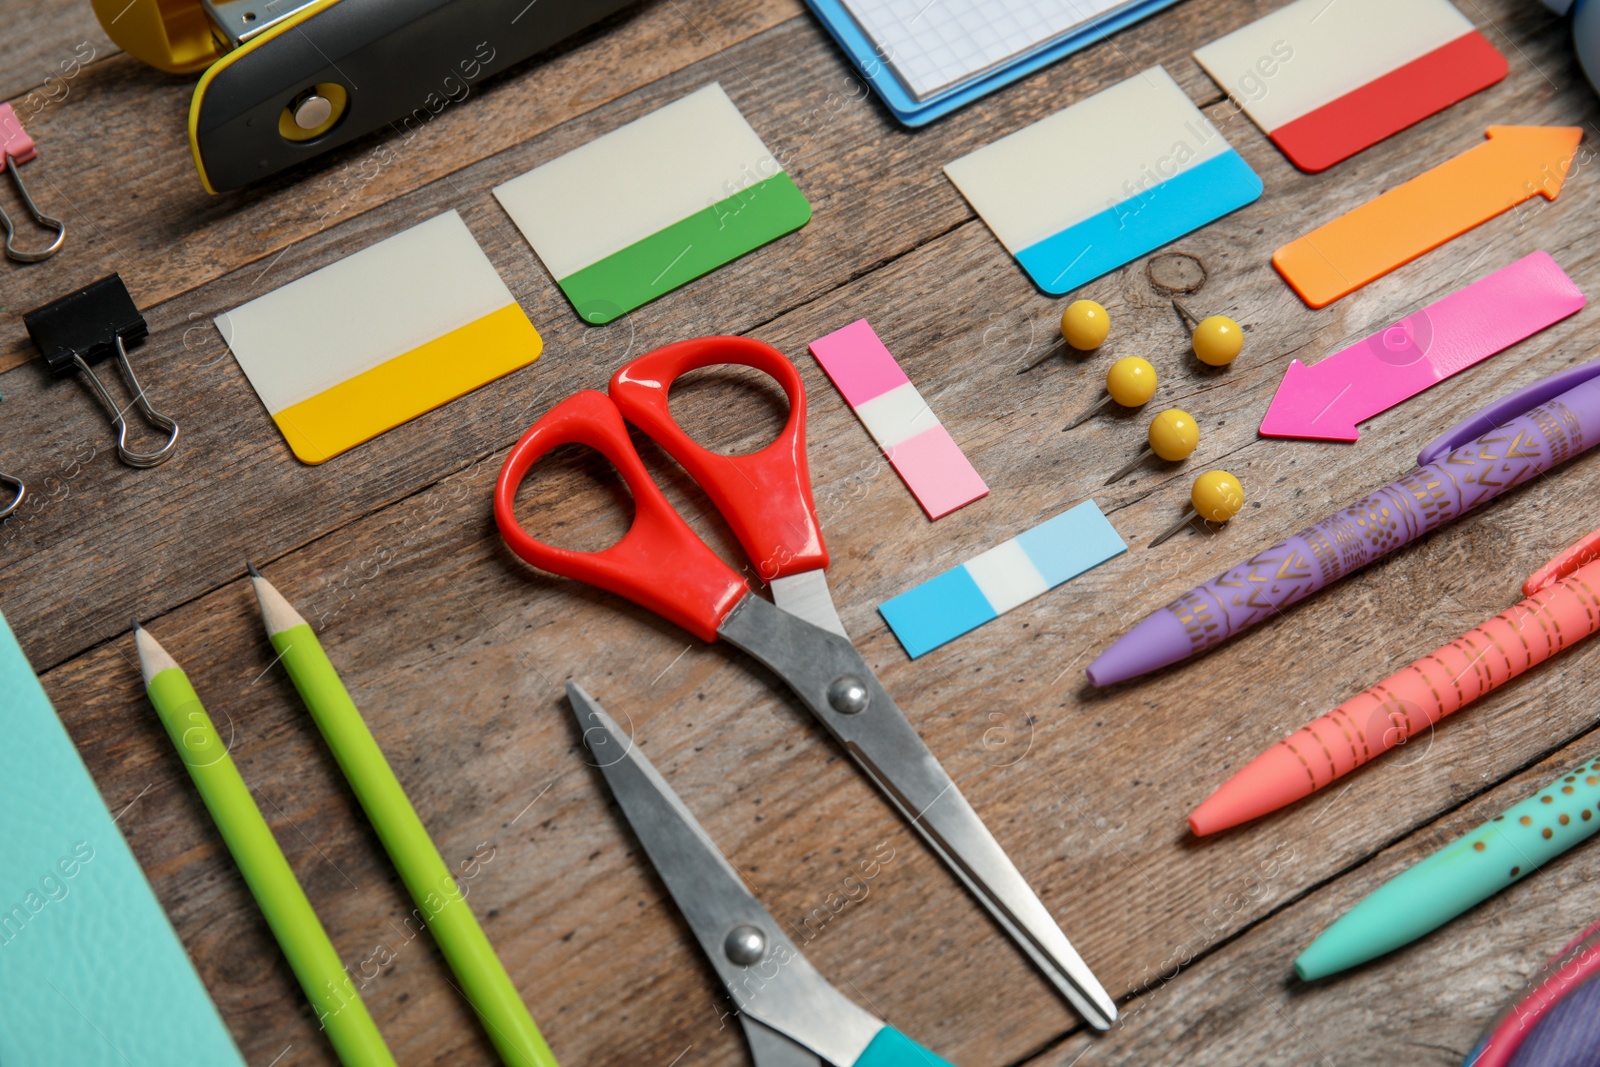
pixel 251 567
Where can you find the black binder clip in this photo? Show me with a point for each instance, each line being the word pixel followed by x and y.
pixel 85 327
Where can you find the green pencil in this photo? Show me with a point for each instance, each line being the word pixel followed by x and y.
pixel 483 979
pixel 304 942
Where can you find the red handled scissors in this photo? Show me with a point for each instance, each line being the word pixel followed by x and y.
pixel 660 564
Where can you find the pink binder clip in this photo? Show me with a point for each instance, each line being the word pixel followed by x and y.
pixel 19 148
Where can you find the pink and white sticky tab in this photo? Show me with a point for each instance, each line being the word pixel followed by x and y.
pixel 14 140
pixel 920 449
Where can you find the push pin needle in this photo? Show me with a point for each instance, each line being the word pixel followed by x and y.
pixel 1131 382
pixel 1217 497
pixel 1084 326
pixel 1173 436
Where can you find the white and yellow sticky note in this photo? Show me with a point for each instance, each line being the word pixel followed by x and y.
pixel 380 337
pixel 654 204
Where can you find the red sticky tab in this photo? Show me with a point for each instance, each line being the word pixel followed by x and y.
pixel 14 140
pixel 1384 106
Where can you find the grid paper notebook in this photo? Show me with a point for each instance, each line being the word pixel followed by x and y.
pixel 934 46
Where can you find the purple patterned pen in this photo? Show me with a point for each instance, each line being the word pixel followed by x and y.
pixel 1504 445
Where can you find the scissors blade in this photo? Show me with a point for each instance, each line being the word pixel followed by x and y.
pixel 778 988
pixel 768 1048
pixel 833 681
pixel 806 595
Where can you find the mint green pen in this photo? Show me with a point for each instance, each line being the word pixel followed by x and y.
pixel 1466 872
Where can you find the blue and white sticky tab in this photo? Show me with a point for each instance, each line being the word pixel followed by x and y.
pixel 1013 572
pixel 1100 183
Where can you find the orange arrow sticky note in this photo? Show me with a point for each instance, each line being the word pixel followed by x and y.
pixel 1514 164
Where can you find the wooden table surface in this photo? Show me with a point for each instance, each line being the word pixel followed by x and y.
pixel 458 654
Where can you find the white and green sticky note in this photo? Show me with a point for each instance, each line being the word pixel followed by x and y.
pixel 1010 574
pixel 653 205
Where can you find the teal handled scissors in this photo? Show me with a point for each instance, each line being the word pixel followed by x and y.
pixel 791 1015
pixel 765 496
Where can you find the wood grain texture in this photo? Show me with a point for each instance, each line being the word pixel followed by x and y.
pixel 42 38
pixel 457 653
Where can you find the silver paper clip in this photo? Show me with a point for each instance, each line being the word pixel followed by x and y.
pixel 19 148
pixel 95 322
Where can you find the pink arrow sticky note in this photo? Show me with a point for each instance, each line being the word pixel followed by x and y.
pixel 1324 402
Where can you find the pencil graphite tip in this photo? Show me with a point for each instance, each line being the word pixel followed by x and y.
pixel 251 567
pixel 153 659
pixel 276 612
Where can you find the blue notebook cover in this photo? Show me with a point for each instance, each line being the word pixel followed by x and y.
pixel 91 972
pixel 911 112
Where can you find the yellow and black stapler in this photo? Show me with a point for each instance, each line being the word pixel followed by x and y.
pixel 286 80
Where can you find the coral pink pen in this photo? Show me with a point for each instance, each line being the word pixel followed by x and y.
pixel 1562 608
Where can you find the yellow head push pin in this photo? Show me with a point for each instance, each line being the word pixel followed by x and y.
pixel 1131 382
pixel 1217 496
pixel 1217 339
pixel 1174 435
pixel 1084 326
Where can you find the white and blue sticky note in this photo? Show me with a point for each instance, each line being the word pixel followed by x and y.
pixel 1013 572
pixel 1102 182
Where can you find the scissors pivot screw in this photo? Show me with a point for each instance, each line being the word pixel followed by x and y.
pixel 745 944
pixel 848 695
